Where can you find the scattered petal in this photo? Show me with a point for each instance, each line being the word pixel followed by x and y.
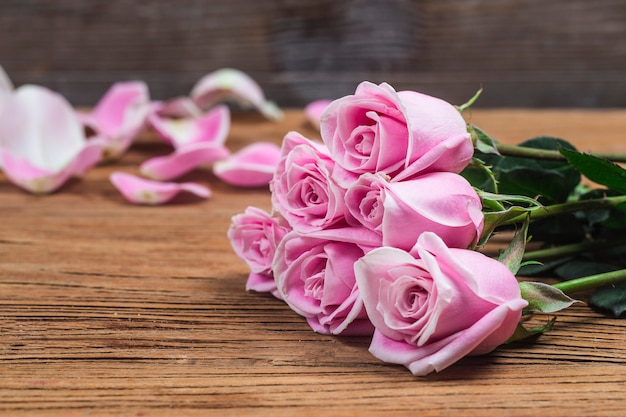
pixel 6 86
pixel 211 127
pixel 120 115
pixel 314 110
pixel 252 166
pixel 143 191
pixel 235 85
pixel 183 160
pixel 41 181
pixel 41 140
pixel 176 107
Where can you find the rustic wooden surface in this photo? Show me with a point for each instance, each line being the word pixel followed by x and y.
pixel 527 53
pixel 112 309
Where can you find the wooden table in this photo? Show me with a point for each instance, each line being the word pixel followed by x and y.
pixel 110 308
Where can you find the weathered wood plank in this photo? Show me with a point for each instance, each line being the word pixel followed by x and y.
pixel 528 53
pixel 108 308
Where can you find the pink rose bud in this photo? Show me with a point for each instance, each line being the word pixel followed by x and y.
pixel 401 134
pixel 440 202
pixel 254 236
pixel 315 277
pixel 306 188
pixel 436 305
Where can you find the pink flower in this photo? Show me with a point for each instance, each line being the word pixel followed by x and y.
pixel 197 140
pixel 42 143
pixel 234 85
pixel 401 134
pixel 306 188
pixel 119 116
pixel 254 236
pixel 315 277
pixel 431 310
pixel 252 166
pixel 440 202
pixel 142 191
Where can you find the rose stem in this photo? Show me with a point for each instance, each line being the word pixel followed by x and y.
pixel 591 282
pixel 523 152
pixel 547 211
pixel 572 249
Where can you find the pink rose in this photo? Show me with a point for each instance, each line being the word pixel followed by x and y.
pixel 431 310
pixel 315 277
pixel 254 236
pixel 305 188
pixel 402 134
pixel 440 202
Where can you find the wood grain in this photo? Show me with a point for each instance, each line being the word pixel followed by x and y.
pixel 530 53
pixel 112 309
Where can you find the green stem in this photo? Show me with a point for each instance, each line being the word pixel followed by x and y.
pixel 569 207
pixel 470 102
pixel 523 152
pixel 573 249
pixel 591 282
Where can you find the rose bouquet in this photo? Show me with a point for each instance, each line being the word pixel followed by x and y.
pixel 380 229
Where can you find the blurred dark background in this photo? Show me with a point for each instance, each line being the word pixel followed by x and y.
pixel 524 53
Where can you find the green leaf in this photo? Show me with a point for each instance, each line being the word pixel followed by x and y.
pixel 479 175
pixel 482 141
pixel 512 255
pixel 610 298
pixel 522 332
pixel 578 268
pixel 611 217
pixel 598 170
pixel 553 180
pixel 488 197
pixel 494 219
pixel 544 298
pixel 541 268
pixel 562 229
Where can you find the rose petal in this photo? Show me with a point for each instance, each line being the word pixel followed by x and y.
pixel 6 86
pixel 120 115
pixel 314 110
pixel 40 126
pixel 179 107
pixel 142 191
pixel 252 166
pixel 40 181
pixel 211 127
pixel 42 140
pixel 422 360
pixel 293 139
pixel 183 160
pixel 234 85
pixel 262 283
